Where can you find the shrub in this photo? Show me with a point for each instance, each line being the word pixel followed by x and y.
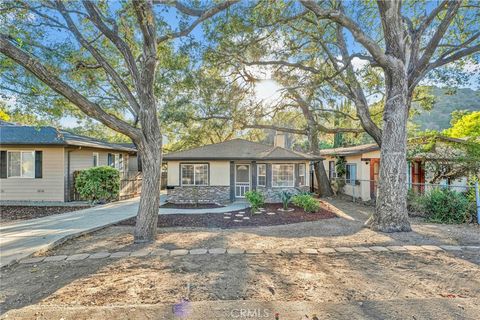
pixel 443 205
pixel 307 202
pixel 99 183
pixel 255 198
pixel 285 197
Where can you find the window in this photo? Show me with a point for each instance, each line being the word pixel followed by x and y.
pixel 351 173
pixel 301 174
pixel 194 174
pixel 116 161
pixel 331 170
pixel 120 162
pixel 21 164
pixel 95 159
pixel 262 174
pixel 282 175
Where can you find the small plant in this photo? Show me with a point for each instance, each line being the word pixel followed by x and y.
pixel 98 184
pixel 256 199
pixel 285 197
pixel 307 202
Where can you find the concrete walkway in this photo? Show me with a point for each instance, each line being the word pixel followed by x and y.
pixel 234 206
pixel 20 239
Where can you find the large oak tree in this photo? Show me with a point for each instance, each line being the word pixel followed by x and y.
pixel 103 58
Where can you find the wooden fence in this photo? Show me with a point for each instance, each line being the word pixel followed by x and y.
pixel 130 186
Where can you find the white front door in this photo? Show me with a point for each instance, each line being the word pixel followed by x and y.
pixel 242 180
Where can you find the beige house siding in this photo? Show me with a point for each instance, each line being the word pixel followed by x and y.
pixel 48 188
pixel 363 174
pixel 219 172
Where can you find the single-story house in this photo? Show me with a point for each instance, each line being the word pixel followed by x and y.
pixel 37 163
pixel 224 172
pixel 362 165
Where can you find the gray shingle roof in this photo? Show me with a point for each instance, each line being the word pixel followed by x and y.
pixel 238 149
pixel 12 134
pixel 350 151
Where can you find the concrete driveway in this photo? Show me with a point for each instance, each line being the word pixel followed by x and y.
pixel 20 239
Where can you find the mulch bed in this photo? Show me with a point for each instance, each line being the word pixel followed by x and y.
pixel 190 205
pixel 217 220
pixel 11 213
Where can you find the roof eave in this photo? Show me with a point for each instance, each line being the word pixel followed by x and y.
pixel 239 159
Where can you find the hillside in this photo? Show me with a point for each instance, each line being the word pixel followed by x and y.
pixel 445 102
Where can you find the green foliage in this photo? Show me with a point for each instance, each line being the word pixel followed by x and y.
pixel 307 202
pixel 255 198
pixel 464 125
pixel 285 197
pixel 99 183
pixel 442 205
pixel 341 166
pixel 3 115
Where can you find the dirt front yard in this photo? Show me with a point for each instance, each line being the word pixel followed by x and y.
pixel 339 278
pixel 396 285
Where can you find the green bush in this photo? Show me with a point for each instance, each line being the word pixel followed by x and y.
pixel 99 183
pixel 256 199
pixel 443 205
pixel 307 202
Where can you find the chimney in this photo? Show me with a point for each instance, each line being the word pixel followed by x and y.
pixel 279 140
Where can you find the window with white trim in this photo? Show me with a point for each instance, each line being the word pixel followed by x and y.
pixel 194 174
pixel 351 174
pixel 261 174
pixel 95 159
pixel 283 175
pixel 21 164
pixel 301 174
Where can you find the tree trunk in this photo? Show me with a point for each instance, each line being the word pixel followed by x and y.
pixel 391 213
pixel 147 216
pixel 324 187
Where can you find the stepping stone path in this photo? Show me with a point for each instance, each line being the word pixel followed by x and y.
pixel 228 213
pixel 246 218
pixel 270 213
pixel 239 215
pixel 152 253
pixel 226 217
pixel 237 220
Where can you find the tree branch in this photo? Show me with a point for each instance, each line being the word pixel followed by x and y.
pixel 96 18
pixel 340 18
pixel 204 16
pixel 43 74
pixel 100 59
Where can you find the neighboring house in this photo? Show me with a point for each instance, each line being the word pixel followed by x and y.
pixel 362 167
pixel 223 172
pixel 37 163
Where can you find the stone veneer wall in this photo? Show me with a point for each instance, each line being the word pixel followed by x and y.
pixel 205 194
pixel 272 194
